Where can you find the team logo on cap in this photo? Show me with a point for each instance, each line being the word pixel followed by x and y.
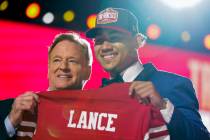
pixel 107 16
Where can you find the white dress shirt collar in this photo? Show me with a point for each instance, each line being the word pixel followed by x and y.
pixel 129 74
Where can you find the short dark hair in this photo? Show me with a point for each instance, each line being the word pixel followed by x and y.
pixel 75 38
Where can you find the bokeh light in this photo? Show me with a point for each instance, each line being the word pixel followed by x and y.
pixel 153 32
pixel 68 16
pixel 4 5
pixel 48 18
pixel 185 36
pixel 207 41
pixel 180 4
pixel 33 10
pixel 91 20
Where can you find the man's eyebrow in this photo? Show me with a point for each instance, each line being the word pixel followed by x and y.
pixel 70 57
pixel 56 56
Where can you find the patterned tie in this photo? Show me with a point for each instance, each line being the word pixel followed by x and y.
pixel 116 79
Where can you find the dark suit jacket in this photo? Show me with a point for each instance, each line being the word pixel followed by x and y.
pixel 186 122
pixel 5 107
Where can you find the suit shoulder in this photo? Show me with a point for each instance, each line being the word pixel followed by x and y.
pixel 6 102
pixel 6 105
pixel 173 76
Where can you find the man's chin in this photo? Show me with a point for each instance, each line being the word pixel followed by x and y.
pixel 69 87
pixel 109 69
pixel 65 87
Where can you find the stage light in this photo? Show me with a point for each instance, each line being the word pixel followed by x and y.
pixel 33 10
pixel 185 36
pixel 48 18
pixel 91 21
pixel 153 32
pixel 180 4
pixel 68 16
pixel 4 5
pixel 207 41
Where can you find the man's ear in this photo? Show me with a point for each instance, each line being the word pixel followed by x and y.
pixel 87 73
pixel 140 39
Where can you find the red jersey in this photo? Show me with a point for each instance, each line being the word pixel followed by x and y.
pixel 99 114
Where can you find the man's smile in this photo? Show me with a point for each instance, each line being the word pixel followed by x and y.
pixel 109 56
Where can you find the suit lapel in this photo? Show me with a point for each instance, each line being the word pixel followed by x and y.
pixel 147 72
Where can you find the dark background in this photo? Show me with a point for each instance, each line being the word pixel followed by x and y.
pixel 172 22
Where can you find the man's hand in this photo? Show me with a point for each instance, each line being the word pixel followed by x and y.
pixel 24 102
pixel 145 92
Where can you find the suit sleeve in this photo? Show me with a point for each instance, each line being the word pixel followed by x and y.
pixel 3 132
pixel 186 122
pixel 5 107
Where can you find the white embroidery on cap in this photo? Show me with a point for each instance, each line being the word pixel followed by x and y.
pixel 107 16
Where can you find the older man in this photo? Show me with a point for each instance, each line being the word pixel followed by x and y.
pixel 69 67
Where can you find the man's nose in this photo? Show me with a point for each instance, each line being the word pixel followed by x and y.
pixel 64 65
pixel 106 46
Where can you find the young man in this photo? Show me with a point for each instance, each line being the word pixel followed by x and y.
pixel 116 42
pixel 69 67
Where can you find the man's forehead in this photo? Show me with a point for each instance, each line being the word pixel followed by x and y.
pixel 67 51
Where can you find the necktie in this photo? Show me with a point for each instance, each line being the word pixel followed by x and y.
pixel 116 79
